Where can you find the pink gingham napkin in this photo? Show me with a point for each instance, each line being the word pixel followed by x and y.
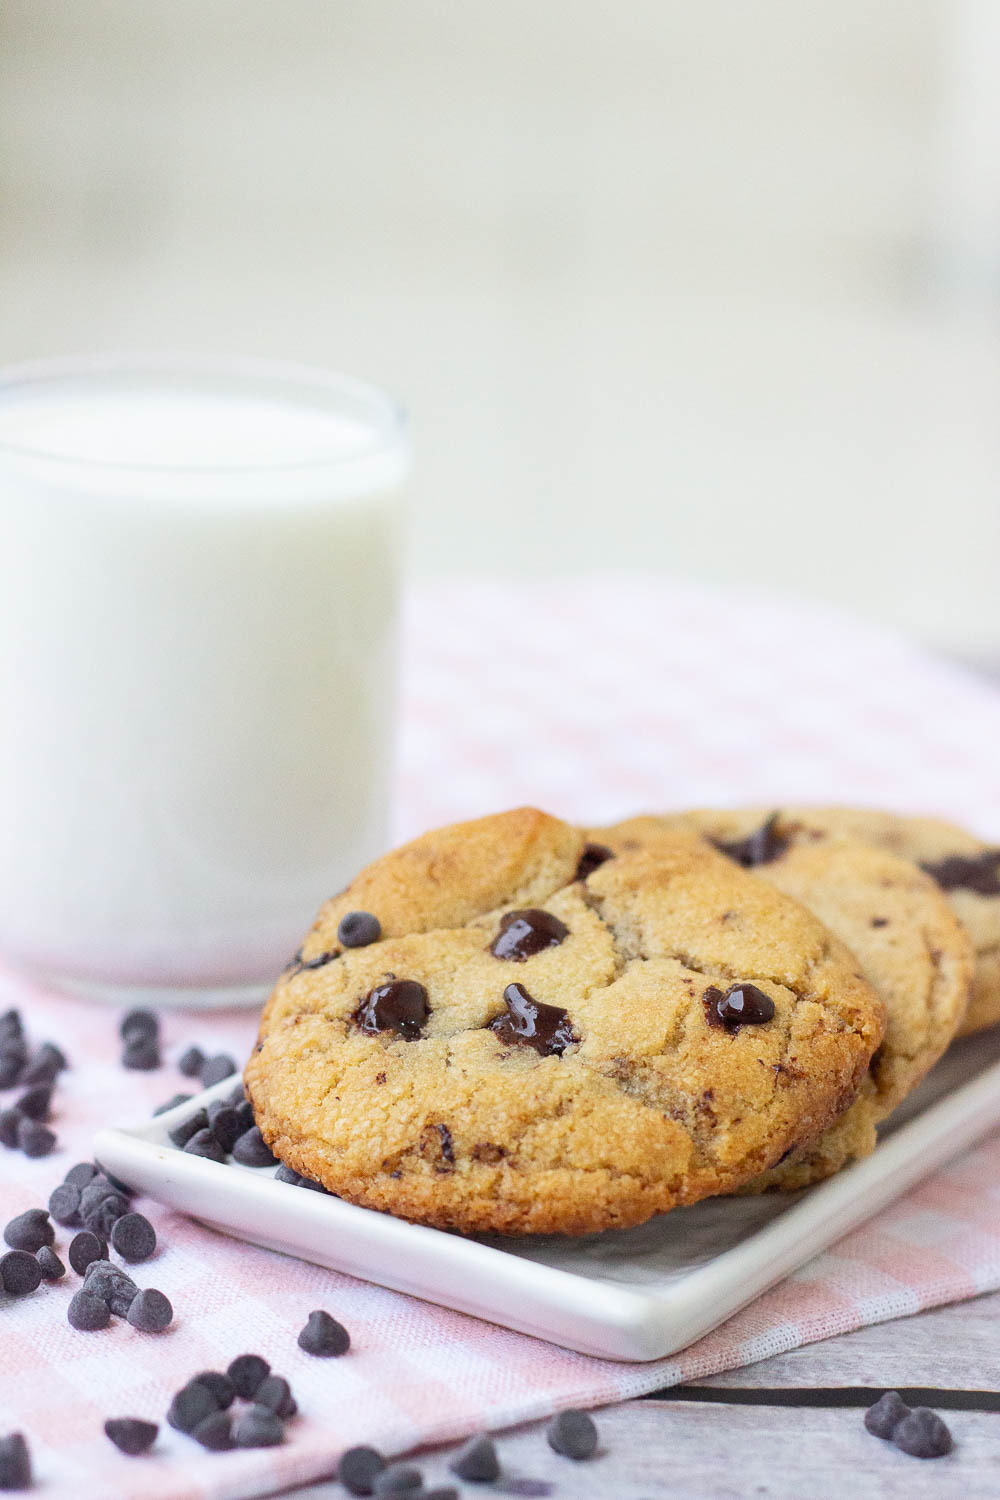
pixel 595 699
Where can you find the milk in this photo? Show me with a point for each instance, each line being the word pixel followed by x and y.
pixel 199 579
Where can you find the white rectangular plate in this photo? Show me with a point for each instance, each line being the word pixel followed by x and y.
pixel 631 1294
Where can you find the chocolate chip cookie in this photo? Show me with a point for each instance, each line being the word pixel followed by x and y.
pixel 544 1037
pixel 894 918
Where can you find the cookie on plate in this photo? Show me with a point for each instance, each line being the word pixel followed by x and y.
pixel 531 1036
pixel 909 943
pixel 966 869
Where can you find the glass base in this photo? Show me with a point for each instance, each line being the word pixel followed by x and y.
pixel 152 997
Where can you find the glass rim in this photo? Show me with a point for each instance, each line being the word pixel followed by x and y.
pixel 386 416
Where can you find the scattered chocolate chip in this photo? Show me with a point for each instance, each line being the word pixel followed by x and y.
pixel 880 921
pixel 323 1335
pixel 162 1109
pixel 593 856
pixel 528 1023
pixel 244 1113
pixel 104 1278
pixel 134 1237
pixel 251 1150
pixel 359 1468
pixel 34 1138
pixel 215 1432
pixel 758 848
pixel 131 1435
pixel 295 1179
pixel 525 933
pixel 399 1005
pixel 46 1065
pixel 220 1385
pixel 573 1434
pixel 83 1173
pixel 150 1311
pixel 101 1215
pixel 182 1133
pixel 84 1248
pixel 225 1124
pixel 215 1069
pixel 447 1145
pixel 884 1417
pixel 10 1120
pixel 238 1096
pixel 246 1372
pixel 20 1273
pixel 51 1266
pixel 397 1479
pixel 36 1103
pixel 476 1461
pixel 87 1311
pixel 979 872
pixel 142 1054
pixel 64 1204
pixel 275 1393
pixel 519 1486
pixel 443 1492
pixel 190 1406
pixel 11 1023
pixel 191 1062
pixel 922 1434
pixel 12 1061
pixel 741 1005
pixel 258 1427
pixel 29 1231
pixel 357 929
pixel 139 1023
pixel 203 1143
pixel 15 1462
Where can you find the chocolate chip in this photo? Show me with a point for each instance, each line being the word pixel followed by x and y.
pixel 142 1054
pixel 251 1150
pixel 324 1336
pixel 357 929
pixel 34 1138
pixel 758 848
pixel 244 1113
pixel 113 1283
pixel 20 1273
pixel 64 1204
pixel 573 1434
pixel 191 1062
pixel 215 1069
pixel 203 1143
pixel 528 1023
pixel 81 1174
pixel 447 1492
pixel 220 1385
pixel 182 1133
pixel 133 1237
pixel 225 1124
pixel 476 1461
pixel 190 1406
pixel 46 1065
pixel 215 1432
pixel 979 873
pixel 741 1005
pixel 36 1102
pixel 593 856
pixel 150 1311
pixel 922 1434
pixel 87 1312
pixel 131 1435
pixel 246 1372
pixel 15 1462
pixel 12 1060
pixel 238 1097
pixel 524 933
pixel 447 1145
pixel 84 1248
pixel 397 1479
pixel 11 1023
pixel 10 1121
pixel 399 1005
pixel 258 1427
pixel 884 1417
pixel 29 1231
pixel 880 921
pixel 101 1214
pixel 295 1179
pixel 275 1392
pixel 139 1023
pixel 51 1266
pixel 162 1109
pixel 359 1468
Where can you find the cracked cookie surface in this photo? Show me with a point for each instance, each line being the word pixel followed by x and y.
pixel 966 870
pixel 582 1041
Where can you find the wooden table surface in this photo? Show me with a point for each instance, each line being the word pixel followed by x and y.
pixel 789 1428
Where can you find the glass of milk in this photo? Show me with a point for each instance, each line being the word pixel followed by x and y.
pixel 199 592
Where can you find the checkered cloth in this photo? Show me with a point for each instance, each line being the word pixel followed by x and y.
pixel 594 699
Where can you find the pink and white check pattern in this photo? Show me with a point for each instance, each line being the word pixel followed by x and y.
pixel 593 699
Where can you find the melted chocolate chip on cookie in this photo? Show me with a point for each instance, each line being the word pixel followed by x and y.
pixel 524 933
pixel 741 1005
pixel 528 1023
pixel 979 873
pixel 400 1006
pixel 758 848
pixel 593 856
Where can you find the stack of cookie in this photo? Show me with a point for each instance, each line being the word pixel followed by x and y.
pixel 520 1026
